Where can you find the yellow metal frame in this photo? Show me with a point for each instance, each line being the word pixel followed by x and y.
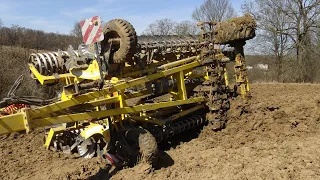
pixel 49 121
pixel 182 91
pixel 75 75
pixel 94 129
pixel 45 111
pixel 94 105
pixel 50 79
pixel 44 116
pixel 112 93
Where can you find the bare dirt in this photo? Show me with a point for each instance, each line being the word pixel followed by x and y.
pixel 275 136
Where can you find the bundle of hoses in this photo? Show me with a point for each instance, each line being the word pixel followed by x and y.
pixel 24 100
pixel 28 100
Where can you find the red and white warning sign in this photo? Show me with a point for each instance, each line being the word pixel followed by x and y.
pixel 91 30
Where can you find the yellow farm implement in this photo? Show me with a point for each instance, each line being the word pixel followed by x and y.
pixel 134 94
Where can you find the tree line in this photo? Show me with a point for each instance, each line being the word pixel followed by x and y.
pixel 35 39
pixel 289 31
pixel 16 44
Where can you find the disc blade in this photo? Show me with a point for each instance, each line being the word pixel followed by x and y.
pixel 86 148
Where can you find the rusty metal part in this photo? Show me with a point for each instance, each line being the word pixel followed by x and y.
pixel 217 92
pixel 241 72
pixel 169 47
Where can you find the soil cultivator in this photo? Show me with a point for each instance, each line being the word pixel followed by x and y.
pixel 136 91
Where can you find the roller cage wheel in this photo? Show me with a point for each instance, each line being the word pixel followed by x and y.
pixel 124 31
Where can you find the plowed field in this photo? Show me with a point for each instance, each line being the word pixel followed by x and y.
pixel 274 136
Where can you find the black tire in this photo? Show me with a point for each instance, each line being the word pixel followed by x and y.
pixel 118 28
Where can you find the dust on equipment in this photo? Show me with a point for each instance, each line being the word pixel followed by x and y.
pixel 129 93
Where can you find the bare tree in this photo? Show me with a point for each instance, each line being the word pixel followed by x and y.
pixel 76 31
pixel 185 28
pixel 1 23
pixel 160 27
pixel 272 24
pixel 214 10
pixel 169 27
pixel 290 25
pixel 303 18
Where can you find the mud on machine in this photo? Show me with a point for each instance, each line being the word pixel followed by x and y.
pixel 122 97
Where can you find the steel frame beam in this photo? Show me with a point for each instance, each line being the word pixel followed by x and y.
pixel 44 116
pixel 45 111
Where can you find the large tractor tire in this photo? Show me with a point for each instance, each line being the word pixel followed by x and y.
pixel 126 34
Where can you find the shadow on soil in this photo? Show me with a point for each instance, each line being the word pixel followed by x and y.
pixel 104 173
pixel 164 161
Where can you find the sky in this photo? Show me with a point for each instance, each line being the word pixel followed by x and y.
pixel 60 15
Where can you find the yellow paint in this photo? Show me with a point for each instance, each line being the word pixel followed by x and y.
pixel 51 134
pixel 12 123
pixel 44 111
pixel 49 121
pixel 94 129
pixel 182 92
pixel 44 116
pixel 49 79
pixel 226 76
